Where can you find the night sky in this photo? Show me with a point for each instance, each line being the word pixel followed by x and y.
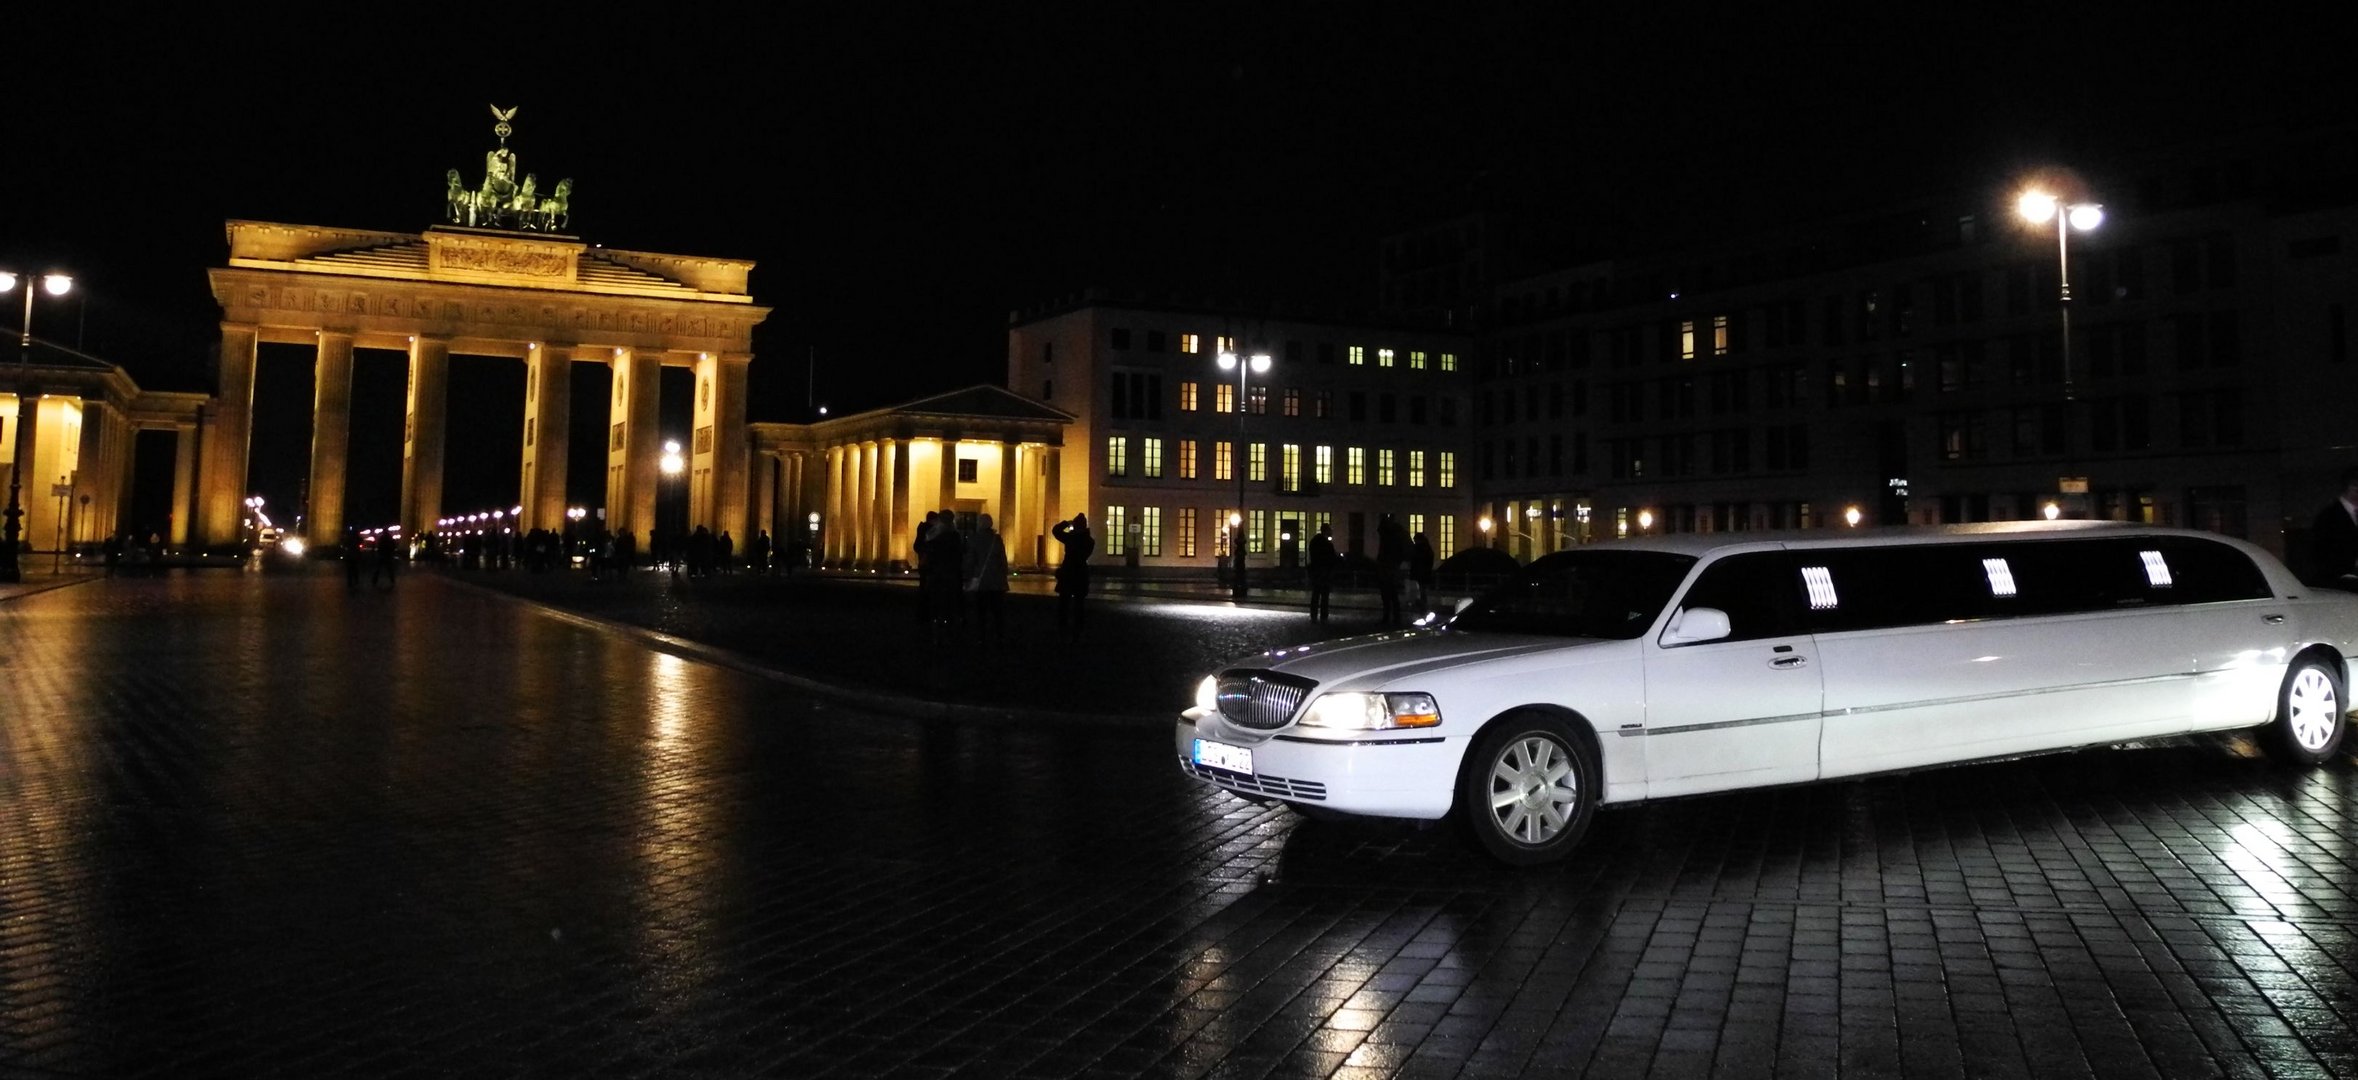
pixel 903 180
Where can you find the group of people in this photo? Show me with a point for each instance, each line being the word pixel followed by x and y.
pixel 953 564
pixel 1403 567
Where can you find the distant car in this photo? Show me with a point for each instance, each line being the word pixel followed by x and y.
pixel 1699 663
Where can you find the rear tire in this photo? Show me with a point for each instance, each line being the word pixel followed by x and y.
pixel 2311 714
pixel 1528 789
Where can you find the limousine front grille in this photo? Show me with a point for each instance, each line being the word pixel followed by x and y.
pixel 1262 700
pixel 1275 787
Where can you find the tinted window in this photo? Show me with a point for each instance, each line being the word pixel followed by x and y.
pixel 1870 588
pixel 2207 572
pixel 1601 594
pixel 1760 591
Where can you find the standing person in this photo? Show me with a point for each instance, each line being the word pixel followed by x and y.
pixel 1072 572
pixel 1323 560
pixel 757 554
pixel 943 575
pixel 1420 570
pixel 1391 565
pixel 923 546
pixel 2333 539
pixel 386 568
pixel 986 578
pixel 352 558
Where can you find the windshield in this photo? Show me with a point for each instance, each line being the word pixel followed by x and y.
pixel 1599 594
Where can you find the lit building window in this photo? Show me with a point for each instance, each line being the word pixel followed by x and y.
pixel 1224 398
pixel 1187 459
pixel 1449 361
pixel 1383 358
pixel 1257 400
pixel 1322 465
pixel 1448 474
pixel 1190 343
pixel 1256 531
pixel 1416 360
pixel 1151 455
pixel 1355 465
pixel 1117 530
pixel 1187 399
pixel 1223 462
pixel 1445 540
pixel 1416 524
pixel 1323 406
pixel 1316 520
pixel 1358 356
pixel 1184 525
pixel 1289 463
pixel 1719 335
pixel 1150 530
pixel 1293 402
pixel 1117 455
pixel 1257 463
pixel 1384 467
pixel 1222 534
pixel 1686 340
pixel 1416 468
pixel 1226 344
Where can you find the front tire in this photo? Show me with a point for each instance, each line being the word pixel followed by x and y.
pixel 2311 714
pixel 1528 789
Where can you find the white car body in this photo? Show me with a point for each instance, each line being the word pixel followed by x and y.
pixel 1670 717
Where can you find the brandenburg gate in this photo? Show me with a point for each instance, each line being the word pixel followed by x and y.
pixel 546 300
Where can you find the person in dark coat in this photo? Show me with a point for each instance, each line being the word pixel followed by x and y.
pixel 2333 539
pixel 944 573
pixel 986 578
pixel 757 555
pixel 1323 561
pixel 1420 569
pixel 1391 566
pixel 1072 572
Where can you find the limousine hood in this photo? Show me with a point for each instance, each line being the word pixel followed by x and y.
pixel 1379 661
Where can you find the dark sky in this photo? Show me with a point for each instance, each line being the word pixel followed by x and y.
pixel 904 179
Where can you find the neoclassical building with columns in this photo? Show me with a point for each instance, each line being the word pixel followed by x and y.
pixel 481 295
pixel 80 418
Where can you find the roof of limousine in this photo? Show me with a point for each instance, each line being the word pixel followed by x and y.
pixel 1700 544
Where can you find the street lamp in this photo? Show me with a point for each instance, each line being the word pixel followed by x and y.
pixel 2038 208
pixel 1256 364
pixel 55 285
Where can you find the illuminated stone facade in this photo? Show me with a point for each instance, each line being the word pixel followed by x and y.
pixel 77 487
pixel 547 301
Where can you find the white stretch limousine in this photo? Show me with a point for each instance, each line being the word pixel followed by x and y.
pixel 1688 664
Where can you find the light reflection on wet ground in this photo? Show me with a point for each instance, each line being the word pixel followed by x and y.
pixel 257 824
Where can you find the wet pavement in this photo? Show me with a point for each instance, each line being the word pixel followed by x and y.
pixel 255 825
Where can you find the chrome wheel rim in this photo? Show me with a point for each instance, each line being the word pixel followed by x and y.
pixel 1532 790
pixel 2312 709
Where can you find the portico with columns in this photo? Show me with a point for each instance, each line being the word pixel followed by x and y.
pixel 81 418
pixel 871 476
pixel 545 300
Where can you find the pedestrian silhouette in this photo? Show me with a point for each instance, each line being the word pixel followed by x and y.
pixel 986 578
pixel 1072 573
pixel 386 568
pixel 1391 566
pixel 1323 560
pixel 2333 539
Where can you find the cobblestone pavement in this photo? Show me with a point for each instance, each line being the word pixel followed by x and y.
pixel 257 826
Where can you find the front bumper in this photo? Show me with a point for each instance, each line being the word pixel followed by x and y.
pixel 1405 774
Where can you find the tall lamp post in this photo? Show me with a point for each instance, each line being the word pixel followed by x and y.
pixel 1257 364
pixel 673 464
pixel 2039 208
pixel 21 459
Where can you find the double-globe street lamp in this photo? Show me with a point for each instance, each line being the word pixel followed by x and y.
pixel 54 284
pixel 2040 207
pixel 1256 364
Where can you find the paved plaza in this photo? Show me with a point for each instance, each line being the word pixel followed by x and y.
pixel 258 825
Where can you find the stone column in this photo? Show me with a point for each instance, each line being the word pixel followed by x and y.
pixel 831 519
pixel 331 437
pixel 227 444
pixel 184 457
pixel 634 457
pixel 863 509
pixel 429 413
pixel 898 453
pixel 92 476
pixel 949 478
pixel 548 435
pixel 1003 515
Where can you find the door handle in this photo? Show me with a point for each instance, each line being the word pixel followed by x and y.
pixel 1789 662
pixel 2272 620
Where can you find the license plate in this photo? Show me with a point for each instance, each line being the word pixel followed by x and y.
pixel 1219 755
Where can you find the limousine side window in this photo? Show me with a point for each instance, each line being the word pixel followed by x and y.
pixel 1598 594
pixel 1759 591
pixel 1872 588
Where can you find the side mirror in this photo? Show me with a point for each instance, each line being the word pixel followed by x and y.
pixel 1692 625
pixel 1463 603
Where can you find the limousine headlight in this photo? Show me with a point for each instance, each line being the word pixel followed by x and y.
pixel 1372 712
pixel 1207 694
